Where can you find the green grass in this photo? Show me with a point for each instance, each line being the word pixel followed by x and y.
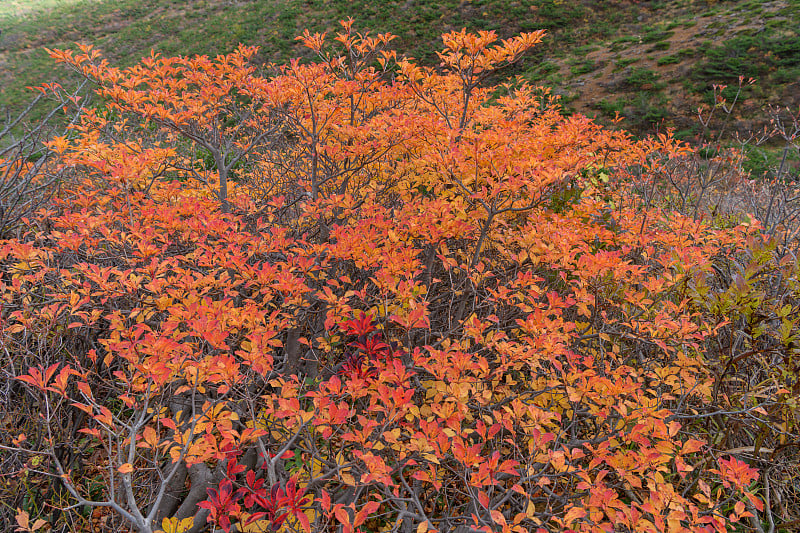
pixel 621 63
pixel 655 35
pixel 584 67
pixel 756 56
pixel 659 46
pixel 126 30
pixel 21 8
pixel 676 57
pixel 642 78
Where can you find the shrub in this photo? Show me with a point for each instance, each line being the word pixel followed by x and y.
pixel 424 307
pixel 642 78
pixel 29 172
pixel 611 108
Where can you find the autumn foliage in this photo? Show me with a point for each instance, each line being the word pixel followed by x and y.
pixel 361 294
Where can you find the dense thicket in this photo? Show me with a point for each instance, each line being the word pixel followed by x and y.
pixel 361 294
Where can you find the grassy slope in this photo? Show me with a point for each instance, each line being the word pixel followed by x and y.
pixel 654 62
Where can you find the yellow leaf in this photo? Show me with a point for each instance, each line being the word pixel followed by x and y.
pixel 172 525
pixel 348 478
pixel 430 457
pixel 163 302
pixel 22 518
pixel 127 468
pixel 256 527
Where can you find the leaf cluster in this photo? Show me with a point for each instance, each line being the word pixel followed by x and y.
pixel 421 306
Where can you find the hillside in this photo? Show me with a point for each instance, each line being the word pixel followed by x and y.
pixel 653 62
pixel 371 294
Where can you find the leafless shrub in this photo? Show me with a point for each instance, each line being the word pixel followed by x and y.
pixel 29 170
pixel 711 178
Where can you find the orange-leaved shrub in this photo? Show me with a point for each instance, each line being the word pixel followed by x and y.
pixel 361 295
